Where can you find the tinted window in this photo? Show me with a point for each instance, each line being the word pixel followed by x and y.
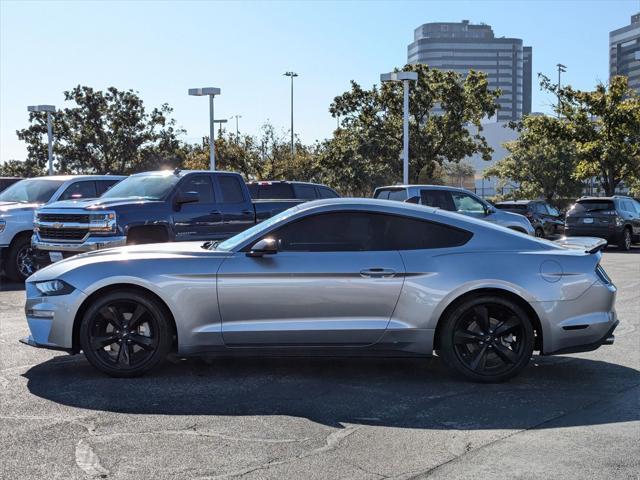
pixel 513 207
pixel 271 191
pixel 627 206
pixel 231 189
pixel 382 194
pixel 466 203
pixel 584 206
pixel 327 193
pixel 104 185
pixel 79 190
pixel 305 192
pixel 359 231
pixel 437 198
pixel 399 195
pixel 201 184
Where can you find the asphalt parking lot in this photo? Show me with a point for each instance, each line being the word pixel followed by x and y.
pixel 574 416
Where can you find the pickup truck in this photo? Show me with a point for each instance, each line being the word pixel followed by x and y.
pixel 17 204
pixel 152 207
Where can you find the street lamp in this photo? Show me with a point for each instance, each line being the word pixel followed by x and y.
pixel 292 75
pixel 237 130
pixel 220 122
pixel 211 92
pixel 49 109
pixel 405 78
pixel 561 69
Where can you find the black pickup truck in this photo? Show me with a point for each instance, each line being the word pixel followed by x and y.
pixel 161 206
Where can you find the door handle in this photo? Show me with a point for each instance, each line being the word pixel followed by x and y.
pixel 377 273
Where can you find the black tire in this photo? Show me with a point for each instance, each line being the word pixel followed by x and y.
pixel 539 232
pixel 625 240
pixel 19 261
pixel 487 352
pixel 119 349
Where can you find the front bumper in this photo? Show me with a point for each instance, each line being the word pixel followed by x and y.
pixel 87 245
pixel 51 318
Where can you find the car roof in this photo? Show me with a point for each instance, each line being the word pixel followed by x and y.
pixel 290 182
pixel 179 173
pixel 65 178
pixel 517 202
pixel 433 187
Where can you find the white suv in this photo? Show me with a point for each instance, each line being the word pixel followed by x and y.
pixel 17 204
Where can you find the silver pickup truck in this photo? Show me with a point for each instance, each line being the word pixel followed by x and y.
pixel 20 200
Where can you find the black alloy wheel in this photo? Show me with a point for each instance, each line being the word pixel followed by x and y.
pixel 125 334
pixel 20 260
pixel 487 339
pixel 626 239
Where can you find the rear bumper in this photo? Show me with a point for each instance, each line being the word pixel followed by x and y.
pixel 610 235
pixel 607 339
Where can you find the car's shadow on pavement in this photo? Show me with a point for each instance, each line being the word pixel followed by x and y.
pixel 387 392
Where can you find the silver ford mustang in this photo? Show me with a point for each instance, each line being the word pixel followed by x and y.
pixel 331 277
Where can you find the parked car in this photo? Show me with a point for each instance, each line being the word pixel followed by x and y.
pixel 284 189
pixel 545 219
pixel 454 200
pixel 6 182
pixel 335 276
pixel 17 204
pixel 616 219
pixel 152 207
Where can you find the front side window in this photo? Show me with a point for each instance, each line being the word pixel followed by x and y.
pixel 327 193
pixel 437 198
pixel 466 203
pixel 79 190
pixel 363 231
pixel 31 191
pixel 201 184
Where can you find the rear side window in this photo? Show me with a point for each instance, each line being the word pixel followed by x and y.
pixel 437 198
pixel 201 184
pixel 513 207
pixel 231 189
pixel 271 191
pixel 326 192
pixel 305 192
pixel 364 231
pixel 79 190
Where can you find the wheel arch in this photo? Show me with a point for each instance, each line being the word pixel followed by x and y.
pixel 129 287
pixel 499 292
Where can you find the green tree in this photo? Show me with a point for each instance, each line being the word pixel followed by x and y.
pixel 103 132
pixel 605 127
pixel 457 172
pixel 366 149
pixel 542 161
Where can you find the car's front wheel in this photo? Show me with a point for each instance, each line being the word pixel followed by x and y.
pixel 487 339
pixel 126 334
pixel 626 240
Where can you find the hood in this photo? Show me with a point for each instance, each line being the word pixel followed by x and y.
pixel 101 203
pixel 512 215
pixel 9 207
pixel 128 255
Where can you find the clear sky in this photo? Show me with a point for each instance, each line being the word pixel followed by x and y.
pixel 160 49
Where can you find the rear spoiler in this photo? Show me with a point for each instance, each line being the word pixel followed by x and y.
pixel 588 244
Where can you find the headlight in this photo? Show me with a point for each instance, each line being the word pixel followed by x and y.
pixel 54 287
pixel 102 222
pixel 3 223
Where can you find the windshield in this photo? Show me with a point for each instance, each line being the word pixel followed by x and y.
pixel 242 237
pixel 153 187
pixel 31 191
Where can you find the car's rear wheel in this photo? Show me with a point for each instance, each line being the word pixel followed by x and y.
pixel 125 334
pixel 20 260
pixel 487 339
pixel 626 240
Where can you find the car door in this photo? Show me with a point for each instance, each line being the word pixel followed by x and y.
pixel 199 220
pixel 234 205
pixel 330 284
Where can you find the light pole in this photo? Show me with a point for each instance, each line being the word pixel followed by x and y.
pixel 49 109
pixel 237 129
pixel 220 122
pixel 405 78
pixel 561 69
pixel 292 75
pixel 211 92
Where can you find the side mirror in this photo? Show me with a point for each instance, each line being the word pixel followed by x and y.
pixel 415 199
pixel 187 197
pixel 488 210
pixel 266 246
